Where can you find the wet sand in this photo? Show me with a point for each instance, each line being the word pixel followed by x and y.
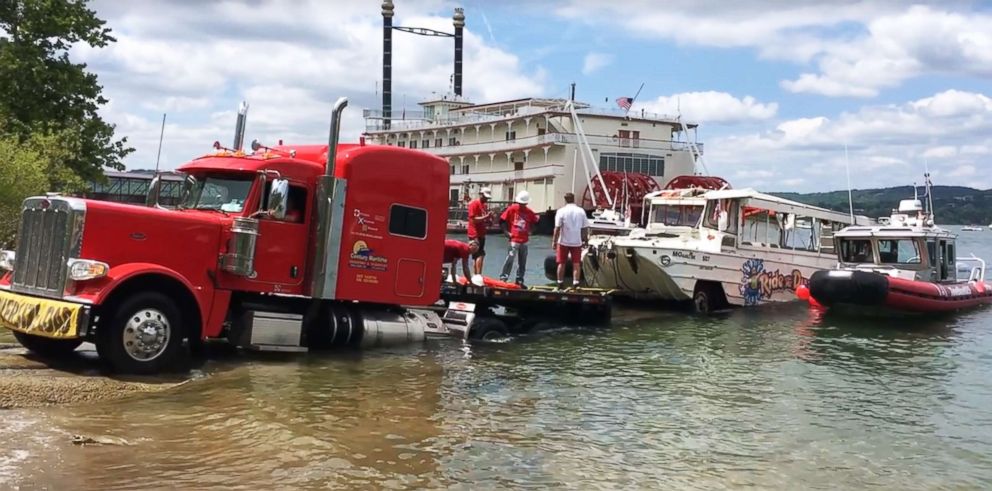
pixel 27 380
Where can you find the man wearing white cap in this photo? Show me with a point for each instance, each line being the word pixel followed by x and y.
pixel 479 218
pixel 517 221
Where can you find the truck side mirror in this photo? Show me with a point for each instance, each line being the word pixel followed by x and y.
pixel 154 190
pixel 188 184
pixel 278 199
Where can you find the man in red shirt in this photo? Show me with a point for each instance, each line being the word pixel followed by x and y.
pixel 455 250
pixel 479 217
pixel 517 221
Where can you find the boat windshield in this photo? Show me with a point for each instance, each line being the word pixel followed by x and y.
pixel 898 251
pixel 676 215
pixel 224 193
pixel 856 251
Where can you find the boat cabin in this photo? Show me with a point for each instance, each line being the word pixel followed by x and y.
pixel 745 218
pixel 909 246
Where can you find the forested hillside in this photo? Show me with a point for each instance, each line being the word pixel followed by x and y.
pixel 953 204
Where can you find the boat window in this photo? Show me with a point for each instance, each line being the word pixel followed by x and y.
pixel 898 251
pixel 951 262
pixel 725 207
pixel 943 260
pixel 932 253
pixel 856 251
pixel 762 228
pixel 676 215
pixel 826 236
pixel 800 233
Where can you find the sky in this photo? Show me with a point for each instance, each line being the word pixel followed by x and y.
pixel 787 94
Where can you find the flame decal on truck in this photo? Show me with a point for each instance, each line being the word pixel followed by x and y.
pixel 39 316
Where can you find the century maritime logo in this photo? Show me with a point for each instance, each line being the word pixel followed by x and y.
pixel 363 257
pixel 361 249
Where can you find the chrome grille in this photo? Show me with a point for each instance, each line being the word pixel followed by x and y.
pixel 50 233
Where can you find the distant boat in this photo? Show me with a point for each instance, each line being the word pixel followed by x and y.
pixel 971 228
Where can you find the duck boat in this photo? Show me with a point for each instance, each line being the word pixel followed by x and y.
pixel 908 266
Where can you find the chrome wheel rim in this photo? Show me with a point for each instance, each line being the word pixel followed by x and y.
pixel 146 334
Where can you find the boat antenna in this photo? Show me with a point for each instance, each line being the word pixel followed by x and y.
pixel 850 193
pixel 929 185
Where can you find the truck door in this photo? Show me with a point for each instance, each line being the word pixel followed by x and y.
pixel 410 278
pixel 281 249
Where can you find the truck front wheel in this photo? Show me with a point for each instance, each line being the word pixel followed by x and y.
pixel 145 335
pixel 47 347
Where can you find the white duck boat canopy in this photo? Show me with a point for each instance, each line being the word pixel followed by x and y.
pixel 684 208
pixel 750 198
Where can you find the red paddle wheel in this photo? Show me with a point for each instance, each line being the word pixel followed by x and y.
pixel 711 183
pixel 637 187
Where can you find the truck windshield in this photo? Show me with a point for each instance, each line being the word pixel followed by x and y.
pixel 227 193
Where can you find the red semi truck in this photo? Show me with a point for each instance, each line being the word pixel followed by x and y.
pixel 287 248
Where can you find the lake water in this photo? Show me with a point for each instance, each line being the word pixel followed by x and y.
pixel 777 398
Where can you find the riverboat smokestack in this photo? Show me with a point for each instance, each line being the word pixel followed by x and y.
pixel 387 62
pixel 459 21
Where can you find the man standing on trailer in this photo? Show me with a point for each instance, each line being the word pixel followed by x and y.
pixel 479 218
pixel 517 221
pixel 571 234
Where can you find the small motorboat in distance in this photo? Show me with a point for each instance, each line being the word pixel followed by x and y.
pixel 907 266
pixel 971 228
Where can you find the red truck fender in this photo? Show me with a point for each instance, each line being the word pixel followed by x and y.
pixel 131 277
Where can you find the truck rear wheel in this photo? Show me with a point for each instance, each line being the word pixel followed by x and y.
pixel 145 335
pixel 47 347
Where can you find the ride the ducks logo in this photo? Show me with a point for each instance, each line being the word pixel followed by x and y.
pixel 756 283
pixel 362 257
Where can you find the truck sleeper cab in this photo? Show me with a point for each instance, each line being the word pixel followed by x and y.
pixel 275 248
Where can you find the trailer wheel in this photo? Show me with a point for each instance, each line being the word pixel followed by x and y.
pixel 145 335
pixel 47 347
pixel 489 329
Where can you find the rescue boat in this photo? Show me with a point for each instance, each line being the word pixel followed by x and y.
pixel 907 265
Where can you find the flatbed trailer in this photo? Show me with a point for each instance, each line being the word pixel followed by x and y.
pixel 485 313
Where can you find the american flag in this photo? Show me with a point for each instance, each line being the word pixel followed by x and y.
pixel 625 102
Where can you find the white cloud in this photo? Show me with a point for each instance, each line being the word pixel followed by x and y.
pixel 888 145
pixel 940 152
pixel 901 46
pixel 196 60
pixel 963 171
pixel 595 62
pixel 858 48
pixel 712 107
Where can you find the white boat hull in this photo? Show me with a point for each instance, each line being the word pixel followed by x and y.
pixel 748 276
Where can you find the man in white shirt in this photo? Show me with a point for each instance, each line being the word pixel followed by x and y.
pixel 571 234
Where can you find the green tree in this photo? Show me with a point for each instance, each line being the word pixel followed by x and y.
pixel 43 92
pixel 30 167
